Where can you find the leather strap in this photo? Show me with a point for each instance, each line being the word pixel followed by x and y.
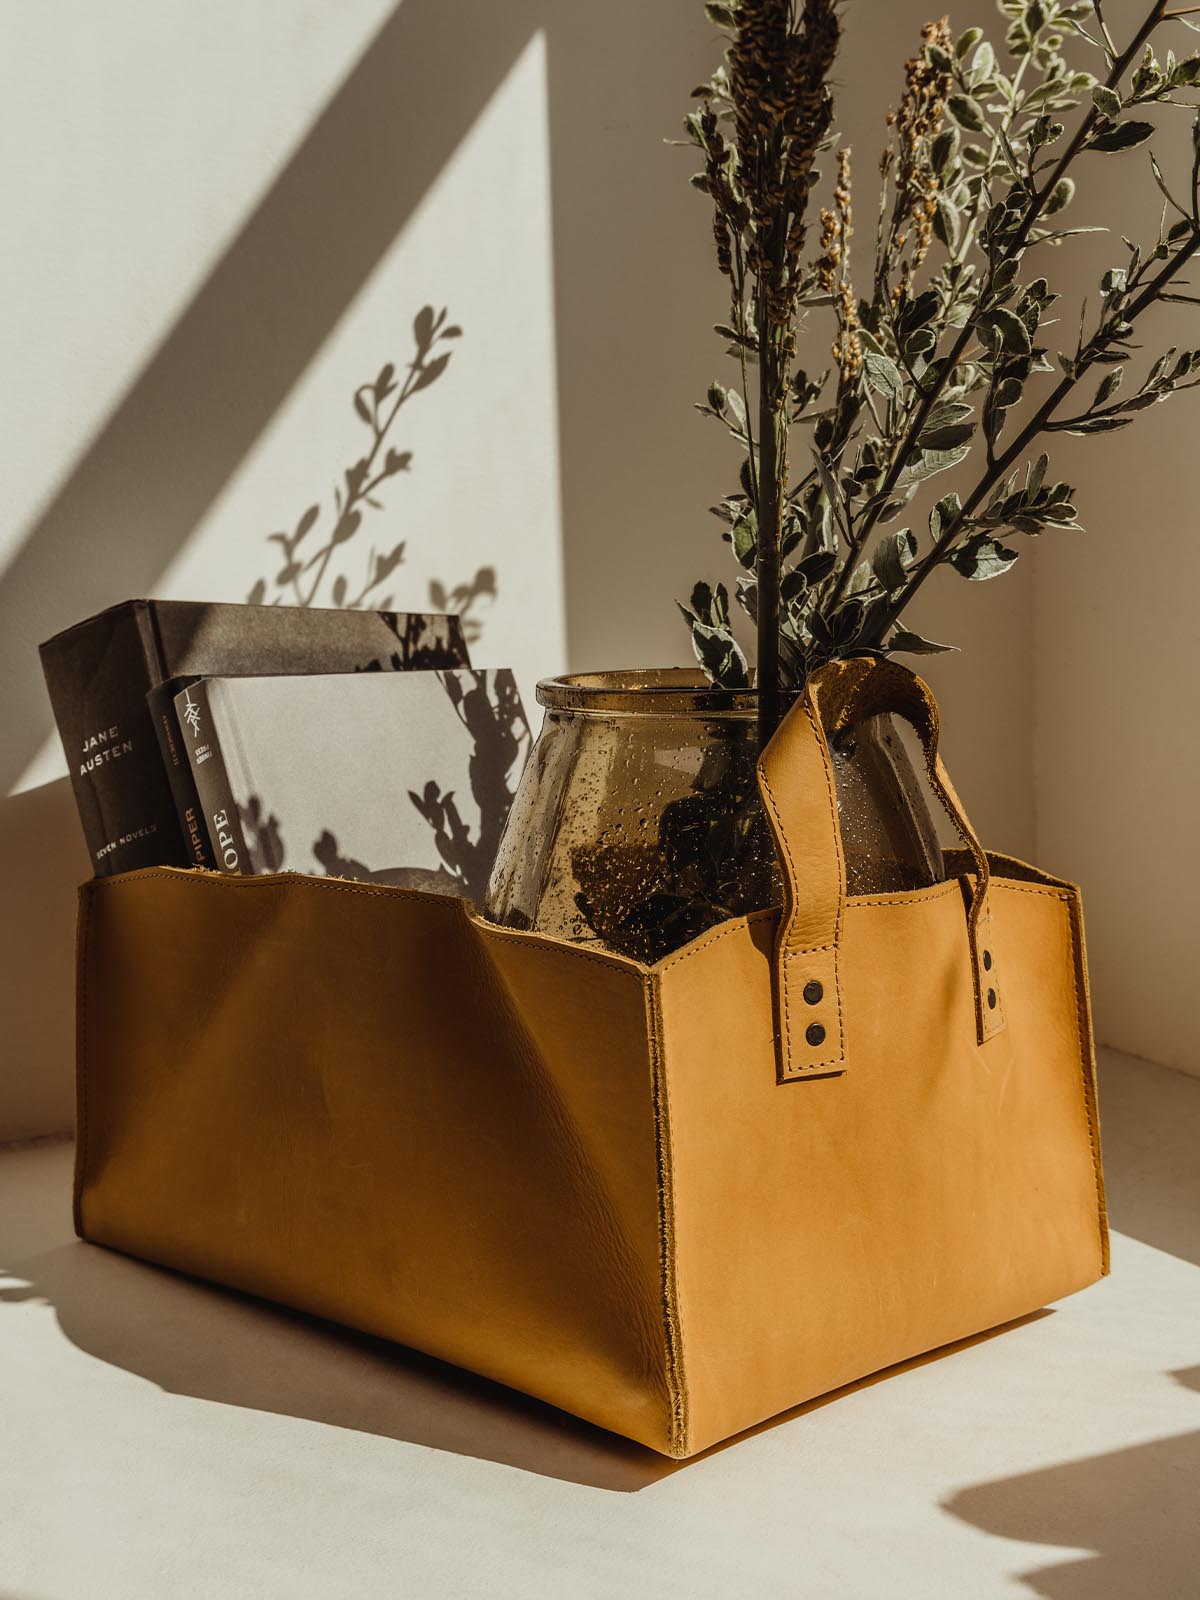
pixel 795 774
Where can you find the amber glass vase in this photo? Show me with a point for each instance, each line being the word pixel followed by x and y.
pixel 638 823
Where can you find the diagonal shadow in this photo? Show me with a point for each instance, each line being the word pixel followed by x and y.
pixel 199 404
pixel 620 206
pixel 1135 1510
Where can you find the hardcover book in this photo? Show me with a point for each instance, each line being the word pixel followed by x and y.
pixel 400 778
pixel 132 792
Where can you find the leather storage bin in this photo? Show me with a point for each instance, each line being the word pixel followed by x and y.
pixel 635 1192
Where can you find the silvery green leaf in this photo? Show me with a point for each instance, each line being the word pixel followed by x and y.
pixel 913 644
pixel 847 621
pixel 982 558
pixel 891 557
pixel 971 37
pixel 1109 385
pixel 931 463
pixel 947 437
pixel 946 223
pixel 967 112
pixel 884 375
pixel 944 515
pixel 863 581
pixel 1098 425
pixel 745 546
pixel 1038 473
pixel 1059 197
pixel 1123 136
pixel 983 64
pixel 1106 101
pixel 818 566
pixel 948 411
pixel 746 590
pixel 1011 331
pixel 941 150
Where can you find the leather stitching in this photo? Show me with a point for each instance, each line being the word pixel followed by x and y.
pixel 81 1134
pixel 784 954
pixel 672 1325
pixel 1010 886
pixel 1074 921
pixel 936 891
pixel 832 1061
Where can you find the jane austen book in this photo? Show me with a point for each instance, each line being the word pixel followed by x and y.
pixel 401 778
pixel 100 672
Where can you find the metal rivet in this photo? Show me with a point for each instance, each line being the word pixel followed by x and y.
pixel 813 992
pixel 992 999
pixel 815 1033
pixel 987 960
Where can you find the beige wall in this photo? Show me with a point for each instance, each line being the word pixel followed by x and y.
pixel 227 216
pixel 1117 737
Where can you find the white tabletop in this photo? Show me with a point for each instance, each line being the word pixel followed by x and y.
pixel 167 1441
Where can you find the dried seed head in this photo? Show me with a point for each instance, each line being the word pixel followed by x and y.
pixel 917 123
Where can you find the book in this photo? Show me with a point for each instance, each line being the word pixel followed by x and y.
pixel 100 672
pixel 401 778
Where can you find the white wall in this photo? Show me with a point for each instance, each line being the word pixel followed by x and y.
pixel 224 218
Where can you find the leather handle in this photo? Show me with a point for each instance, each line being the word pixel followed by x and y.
pixel 795 774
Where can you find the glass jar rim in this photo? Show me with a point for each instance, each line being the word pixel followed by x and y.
pixel 645 692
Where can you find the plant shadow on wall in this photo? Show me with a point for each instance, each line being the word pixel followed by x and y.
pixel 499 734
pixel 307 576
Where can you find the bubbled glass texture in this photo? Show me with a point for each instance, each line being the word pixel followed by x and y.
pixel 638 822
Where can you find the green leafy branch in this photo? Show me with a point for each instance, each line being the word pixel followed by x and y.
pixel 945 358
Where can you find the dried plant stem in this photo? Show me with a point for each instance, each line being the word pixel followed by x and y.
pixel 772 474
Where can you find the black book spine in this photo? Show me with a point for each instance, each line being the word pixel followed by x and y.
pixel 98 676
pixel 222 822
pixel 161 701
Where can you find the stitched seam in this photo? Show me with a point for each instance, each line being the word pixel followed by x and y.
pixel 81 1114
pixel 669 1297
pixel 830 1061
pixel 786 954
pixel 1082 1031
pixel 935 892
pixel 1010 887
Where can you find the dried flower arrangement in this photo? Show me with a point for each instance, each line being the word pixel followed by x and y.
pixel 944 345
